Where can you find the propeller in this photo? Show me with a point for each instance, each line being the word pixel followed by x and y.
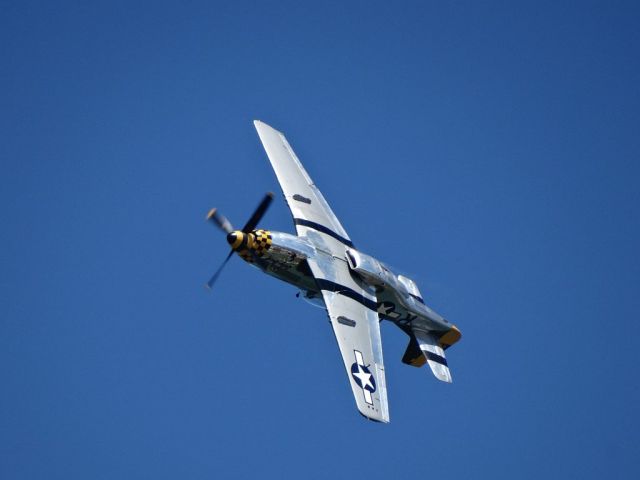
pixel 220 220
pixel 225 225
pixel 258 213
pixel 215 276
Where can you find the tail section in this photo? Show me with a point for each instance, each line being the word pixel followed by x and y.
pixel 428 347
pixel 413 355
pixel 434 355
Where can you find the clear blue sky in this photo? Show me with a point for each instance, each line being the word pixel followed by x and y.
pixel 489 150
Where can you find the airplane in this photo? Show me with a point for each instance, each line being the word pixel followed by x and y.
pixel 357 290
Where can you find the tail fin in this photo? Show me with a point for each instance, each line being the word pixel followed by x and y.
pixel 413 355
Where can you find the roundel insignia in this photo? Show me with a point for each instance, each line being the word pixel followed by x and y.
pixel 363 377
pixel 388 309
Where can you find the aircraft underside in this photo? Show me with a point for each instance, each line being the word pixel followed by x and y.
pixel 286 259
pixel 357 290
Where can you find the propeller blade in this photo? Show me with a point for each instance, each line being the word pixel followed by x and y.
pixel 215 276
pixel 259 212
pixel 220 220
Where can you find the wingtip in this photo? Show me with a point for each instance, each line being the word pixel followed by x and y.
pixel 262 126
pixel 384 419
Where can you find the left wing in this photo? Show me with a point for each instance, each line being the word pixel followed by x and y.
pixel 312 216
pixel 354 318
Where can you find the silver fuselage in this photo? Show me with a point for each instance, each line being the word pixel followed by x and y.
pixel 398 298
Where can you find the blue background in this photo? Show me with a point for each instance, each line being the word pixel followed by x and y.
pixel 488 150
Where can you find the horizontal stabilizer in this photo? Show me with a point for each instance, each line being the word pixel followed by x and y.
pixel 434 354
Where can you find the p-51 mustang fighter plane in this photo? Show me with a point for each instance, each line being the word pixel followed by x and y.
pixel 358 291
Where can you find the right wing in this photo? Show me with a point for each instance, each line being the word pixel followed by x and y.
pixel 354 318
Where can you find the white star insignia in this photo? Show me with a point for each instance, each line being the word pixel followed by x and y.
pixel 365 378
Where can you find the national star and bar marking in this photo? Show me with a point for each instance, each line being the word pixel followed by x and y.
pixel 363 377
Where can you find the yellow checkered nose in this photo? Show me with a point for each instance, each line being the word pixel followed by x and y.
pixel 249 245
pixel 236 239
